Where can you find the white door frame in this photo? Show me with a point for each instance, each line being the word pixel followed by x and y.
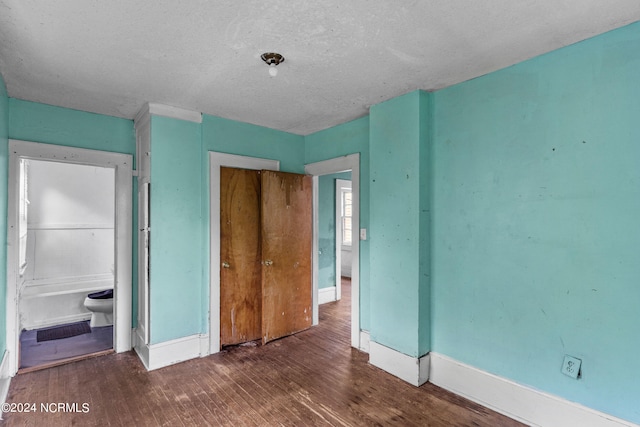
pixel 340 164
pixel 144 211
pixel 123 234
pixel 217 160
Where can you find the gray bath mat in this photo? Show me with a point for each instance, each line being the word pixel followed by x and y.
pixel 64 331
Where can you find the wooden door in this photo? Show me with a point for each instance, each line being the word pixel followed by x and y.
pixel 240 256
pixel 286 254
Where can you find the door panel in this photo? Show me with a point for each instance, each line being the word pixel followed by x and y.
pixel 240 255
pixel 286 254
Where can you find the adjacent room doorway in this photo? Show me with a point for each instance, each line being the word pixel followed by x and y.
pixel 344 231
pixel 326 167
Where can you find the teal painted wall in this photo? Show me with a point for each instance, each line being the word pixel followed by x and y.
pixel 327 228
pixel 176 229
pixel 4 154
pixel 229 136
pixel 32 121
pixel 532 180
pixel 535 233
pixel 232 137
pixel 180 211
pixel 348 138
pixel 425 180
pixel 399 281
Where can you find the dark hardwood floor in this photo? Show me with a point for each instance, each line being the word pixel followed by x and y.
pixel 313 378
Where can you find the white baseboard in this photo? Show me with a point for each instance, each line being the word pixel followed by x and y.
pixel 364 341
pixel 138 345
pixel 515 400
pixel 5 379
pixel 414 370
pixel 326 295
pixel 156 356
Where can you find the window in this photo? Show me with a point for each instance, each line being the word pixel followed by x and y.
pixel 346 216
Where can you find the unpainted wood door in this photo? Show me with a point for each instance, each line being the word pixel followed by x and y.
pixel 286 254
pixel 240 255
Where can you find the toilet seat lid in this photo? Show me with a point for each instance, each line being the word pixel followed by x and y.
pixel 101 294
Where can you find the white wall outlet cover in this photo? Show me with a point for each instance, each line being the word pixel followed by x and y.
pixel 571 366
pixel 363 234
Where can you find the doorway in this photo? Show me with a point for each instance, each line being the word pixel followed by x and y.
pixel 48 259
pixel 66 231
pixel 332 166
pixel 344 228
pixel 334 234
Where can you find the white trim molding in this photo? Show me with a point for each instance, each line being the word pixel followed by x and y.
pixel 140 347
pixel 155 109
pixel 156 356
pixel 326 295
pixel 365 341
pixel 414 370
pixel 5 378
pixel 514 400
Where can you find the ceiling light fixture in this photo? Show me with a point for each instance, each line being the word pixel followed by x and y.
pixel 272 59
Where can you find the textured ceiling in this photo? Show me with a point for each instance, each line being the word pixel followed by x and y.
pixel 111 57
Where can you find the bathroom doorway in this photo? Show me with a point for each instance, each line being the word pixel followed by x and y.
pixel 66 230
pixel 69 235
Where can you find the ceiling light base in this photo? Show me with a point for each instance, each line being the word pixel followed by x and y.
pixel 272 58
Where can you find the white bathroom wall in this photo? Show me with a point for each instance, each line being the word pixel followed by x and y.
pixel 70 240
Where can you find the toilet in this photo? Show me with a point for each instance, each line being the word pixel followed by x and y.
pixel 100 304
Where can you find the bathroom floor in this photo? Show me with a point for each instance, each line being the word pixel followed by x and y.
pixel 53 352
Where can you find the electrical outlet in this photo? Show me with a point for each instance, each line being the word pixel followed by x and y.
pixel 571 366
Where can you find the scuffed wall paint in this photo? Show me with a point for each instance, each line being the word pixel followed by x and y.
pixel 536 207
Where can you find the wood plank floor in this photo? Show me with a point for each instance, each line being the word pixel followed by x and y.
pixel 313 378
